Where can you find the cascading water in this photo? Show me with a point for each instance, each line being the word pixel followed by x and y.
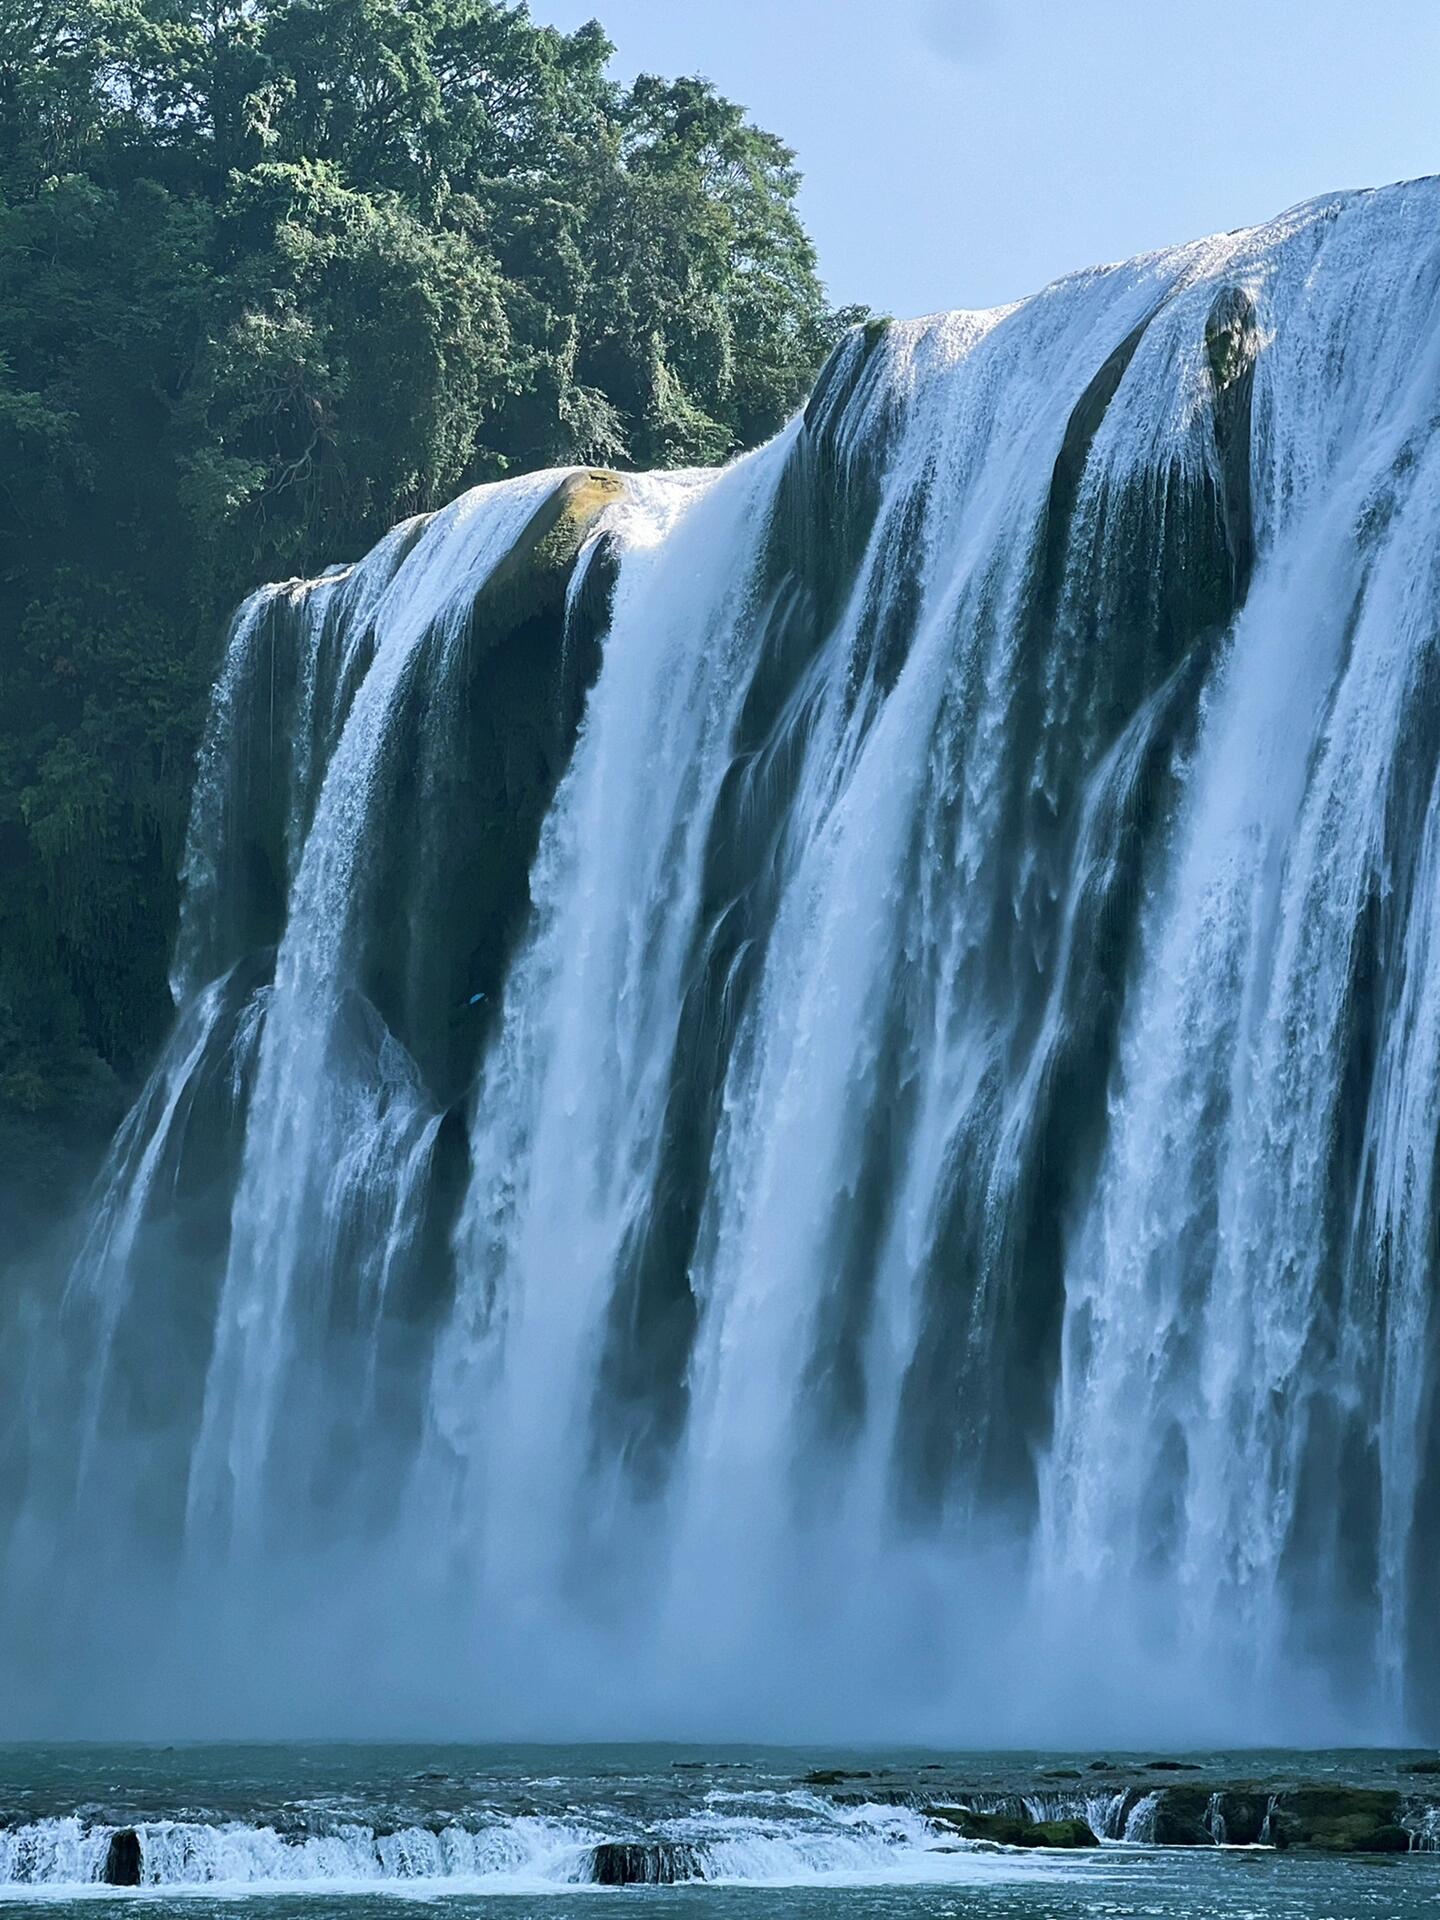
pixel 806 1099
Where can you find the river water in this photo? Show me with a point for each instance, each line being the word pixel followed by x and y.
pixel 329 1830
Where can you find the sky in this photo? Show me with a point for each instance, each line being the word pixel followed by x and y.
pixel 962 153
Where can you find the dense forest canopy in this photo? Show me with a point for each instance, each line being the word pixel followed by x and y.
pixel 274 275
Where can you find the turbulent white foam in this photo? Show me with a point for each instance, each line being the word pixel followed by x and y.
pixel 313 1134
pixel 63 1853
pixel 1205 1338
pixel 849 1846
pixel 177 1853
pixel 1140 1821
pixel 1103 1813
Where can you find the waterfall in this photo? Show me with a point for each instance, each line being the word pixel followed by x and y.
pixel 806 1098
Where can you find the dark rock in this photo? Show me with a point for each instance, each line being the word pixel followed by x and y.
pixel 1172 1766
pixel 1061 1833
pixel 1006 1830
pixel 1247 1813
pixel 1231 337
pixel 1080 431
pixel 644 1863
pixel 511 714
pixel 1424 1766
pixel 1061 1773
pixel 832 1776
pixel 1232 342
pixel 1393 1839
pixel 122 1859
pixel 1237 1816
pixel 1180 1818
pixel 1100 1766
pixel 1194 1816
pixel 1001 1829
pixel 841 374
pixel 1339 1820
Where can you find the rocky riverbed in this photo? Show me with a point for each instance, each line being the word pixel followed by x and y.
pixel 531 1820
pixel 1389 1804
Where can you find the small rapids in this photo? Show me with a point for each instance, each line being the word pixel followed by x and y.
pixel 798 1844
pixel 1110 1815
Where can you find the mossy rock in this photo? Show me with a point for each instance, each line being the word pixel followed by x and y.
pixel 1006 1830
pixel 1001 1829
pixel 1339 1820
pixel 1239 1816
pixel 1199 1816
pixel 534 576
pixel 1231 336
pixel 477 742
pixel 1061 1833
pixel 1180 1818
pixel 1391 1839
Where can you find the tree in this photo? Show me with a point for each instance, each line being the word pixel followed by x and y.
pixel 274 274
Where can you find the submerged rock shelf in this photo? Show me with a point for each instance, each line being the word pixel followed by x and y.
pixel 1071 1806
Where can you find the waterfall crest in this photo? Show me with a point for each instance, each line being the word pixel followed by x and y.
pixel 806 1099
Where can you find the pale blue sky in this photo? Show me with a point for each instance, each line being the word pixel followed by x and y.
pixel 963 152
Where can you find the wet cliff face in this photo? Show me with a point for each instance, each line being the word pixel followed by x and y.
pixel 790 1080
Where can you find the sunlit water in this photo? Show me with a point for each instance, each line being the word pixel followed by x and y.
pixel 926 1227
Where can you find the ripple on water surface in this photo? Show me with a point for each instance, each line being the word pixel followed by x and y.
pixel 324 1831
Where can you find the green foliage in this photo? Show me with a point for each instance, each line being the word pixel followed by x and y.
pixel 274 274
